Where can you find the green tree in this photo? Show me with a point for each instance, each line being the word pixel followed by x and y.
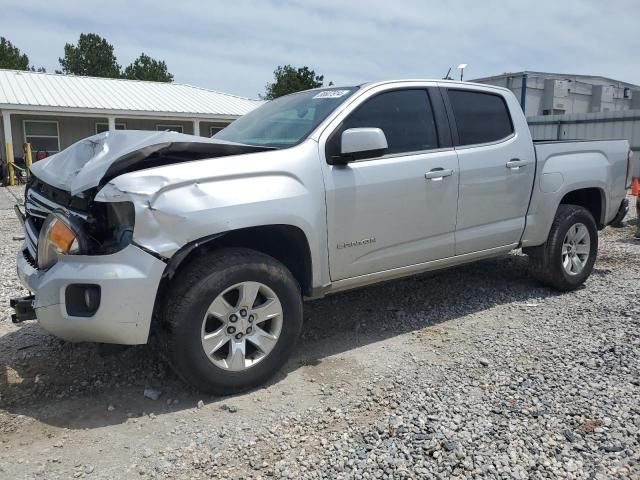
pixel 288 79
pixel 146 68
pixel 11 57
pixel 92 56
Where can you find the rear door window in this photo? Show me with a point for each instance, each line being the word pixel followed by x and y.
pixel 480 117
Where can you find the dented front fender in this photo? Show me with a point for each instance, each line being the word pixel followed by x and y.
pixel 179 204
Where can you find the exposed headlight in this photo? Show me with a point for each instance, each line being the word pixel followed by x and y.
pixel 59 235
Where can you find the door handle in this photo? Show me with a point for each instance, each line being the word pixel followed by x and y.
pixel 516 163
pixel 437 174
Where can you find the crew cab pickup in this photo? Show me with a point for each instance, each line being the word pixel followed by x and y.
pixel 212 244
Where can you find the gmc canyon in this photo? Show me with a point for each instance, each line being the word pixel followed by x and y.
pixel 212 244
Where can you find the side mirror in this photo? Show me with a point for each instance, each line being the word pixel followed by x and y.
pixel 359 143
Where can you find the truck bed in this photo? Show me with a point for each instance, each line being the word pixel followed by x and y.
pixel 567 165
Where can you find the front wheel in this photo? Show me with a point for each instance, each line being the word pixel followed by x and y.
pixel 566 259
pixel 231 321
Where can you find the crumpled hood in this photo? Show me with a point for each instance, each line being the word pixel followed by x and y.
pixel 91 161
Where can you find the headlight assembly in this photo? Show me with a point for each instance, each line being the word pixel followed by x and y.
pixel 59 235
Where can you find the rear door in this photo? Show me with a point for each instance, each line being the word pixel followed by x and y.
pixel 497 168
pixel 397 209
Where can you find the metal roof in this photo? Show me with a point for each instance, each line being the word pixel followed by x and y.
pixel 33 91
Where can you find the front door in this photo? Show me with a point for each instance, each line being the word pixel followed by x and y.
pixel 398 209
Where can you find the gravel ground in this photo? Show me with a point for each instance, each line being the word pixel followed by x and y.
pixel 474 372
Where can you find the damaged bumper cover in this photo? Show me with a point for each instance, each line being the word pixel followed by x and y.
pixel 126 282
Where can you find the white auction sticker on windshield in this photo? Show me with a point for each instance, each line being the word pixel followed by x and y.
pixel 331 94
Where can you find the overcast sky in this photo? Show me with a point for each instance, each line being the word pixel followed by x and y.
pixel 234 46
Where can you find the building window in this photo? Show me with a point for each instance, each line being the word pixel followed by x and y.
pixel 42 135
pixel 213 129
pixel 104 126
pixel 171 128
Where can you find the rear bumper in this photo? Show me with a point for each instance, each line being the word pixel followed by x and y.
pixel 128 281
pixel 622 212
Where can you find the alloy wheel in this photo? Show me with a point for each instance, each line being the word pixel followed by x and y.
pixel 575 249
pixel 242 326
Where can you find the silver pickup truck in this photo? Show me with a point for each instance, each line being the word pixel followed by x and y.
pixel 212 244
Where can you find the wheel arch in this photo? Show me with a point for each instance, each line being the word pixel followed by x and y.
pixel 591 198
pixel 286 243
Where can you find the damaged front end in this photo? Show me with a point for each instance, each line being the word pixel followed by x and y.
pixel 62 227
pixel 89 279
pixel 63 215
pixel 89 282
pixel 58 223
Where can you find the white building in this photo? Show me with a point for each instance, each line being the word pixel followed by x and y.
pixel 543 93
pixel 52 111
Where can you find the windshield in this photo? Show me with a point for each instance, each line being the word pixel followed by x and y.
pixel 285 121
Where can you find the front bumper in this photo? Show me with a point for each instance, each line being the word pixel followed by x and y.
pixel 128 282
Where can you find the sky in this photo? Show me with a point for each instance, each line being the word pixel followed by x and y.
pixel 234 46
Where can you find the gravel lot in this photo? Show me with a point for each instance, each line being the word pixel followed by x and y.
pixel 470 372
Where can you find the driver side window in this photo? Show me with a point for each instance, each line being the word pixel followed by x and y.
pixel 405 117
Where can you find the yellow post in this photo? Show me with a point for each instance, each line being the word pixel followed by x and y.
pixel 12 177
pixel 27 159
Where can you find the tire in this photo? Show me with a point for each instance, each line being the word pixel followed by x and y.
pixel 547 263
pixel 197 308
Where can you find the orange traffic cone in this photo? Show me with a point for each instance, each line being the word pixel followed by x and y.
pixel 635 187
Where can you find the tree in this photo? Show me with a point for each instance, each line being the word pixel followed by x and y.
pixel 11 57
pixel 146 68
pixel 92 56
pixel 289 79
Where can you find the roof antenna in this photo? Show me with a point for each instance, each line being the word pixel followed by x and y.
pixel 448 75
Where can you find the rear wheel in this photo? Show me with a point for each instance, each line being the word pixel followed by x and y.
pixel 232 320
pixel 566 259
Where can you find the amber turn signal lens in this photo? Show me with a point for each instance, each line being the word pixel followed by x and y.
pixel 62 236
